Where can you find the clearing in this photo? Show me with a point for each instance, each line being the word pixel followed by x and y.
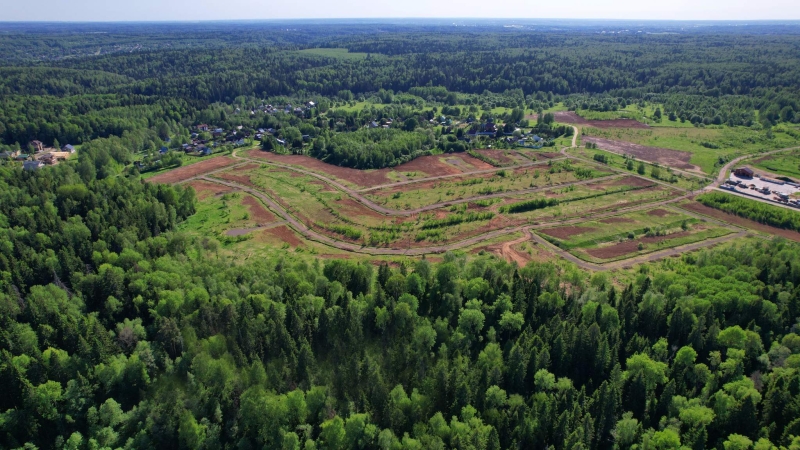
pixel 194 170
pixel 663 156
pixel 571 118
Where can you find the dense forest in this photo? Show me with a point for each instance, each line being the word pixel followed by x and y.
pixel 118 331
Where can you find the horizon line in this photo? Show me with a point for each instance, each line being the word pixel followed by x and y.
pixel 321 19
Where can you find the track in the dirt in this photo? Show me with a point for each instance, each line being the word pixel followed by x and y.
pixel 314 236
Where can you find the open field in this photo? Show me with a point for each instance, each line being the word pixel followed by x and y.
pixel 681 180
pixel 452 201
pixel 662 156
pixel 186 172
pixel 783 164
pixel 708 147
pixel 431 166
pixel 631 234
pixel 571 118
pixel 419 195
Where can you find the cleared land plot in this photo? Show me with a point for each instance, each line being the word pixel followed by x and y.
pixel 665 174
pixel 652 230
pixel 505 158
pixel 663 156
pixel 586 200
pixel 418 195
pixel 739 221
pixel 218 214
pixel 204 189
pixel 783 164
pixel 187 172
pixel 708 146
pixel 570 117
pixel 431 166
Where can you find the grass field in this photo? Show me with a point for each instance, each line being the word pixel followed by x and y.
pixel 786 164
pixel 710 147
pixel 503 180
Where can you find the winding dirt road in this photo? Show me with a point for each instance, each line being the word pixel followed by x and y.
pixel 312 235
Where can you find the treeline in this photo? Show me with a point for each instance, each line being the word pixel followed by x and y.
pixel 372 148
pixel 753 210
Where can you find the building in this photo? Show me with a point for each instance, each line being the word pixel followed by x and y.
pixel 32 165
pixel 38 146
pixel 202 127
pixel 68 148
pixel 9 155
pixel 745 172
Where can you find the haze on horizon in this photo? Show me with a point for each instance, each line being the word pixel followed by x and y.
pixel 193 10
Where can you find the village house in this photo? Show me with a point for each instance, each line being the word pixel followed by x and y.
pixel 38 146
pixel 68 148
pixel 32 165
pixel 202 127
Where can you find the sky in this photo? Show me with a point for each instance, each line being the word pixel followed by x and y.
pixel 192 10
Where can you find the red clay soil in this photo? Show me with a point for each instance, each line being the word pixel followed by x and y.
pixel 626 247
pixel 659 213
pixel 741 221
pixel 359 177
pixel 565 232
pixel 573 119
pixel 354 210
pixel 257 211
pixel 191 171
pixel 282 233
pixel 241 179
pixel 663 156
pixel 617 220
pixel 205 189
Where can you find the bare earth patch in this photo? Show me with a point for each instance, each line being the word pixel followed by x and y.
pixel 191 171
pixel 573 119
pixel 663 156
pixel 353 209
pixel 659 213
pixel 257 211
pixel 205 189
pixel 566 232
pixel 282 234
pixel 626 247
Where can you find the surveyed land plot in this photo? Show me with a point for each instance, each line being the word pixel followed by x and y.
pixel 418 195
pixel 425 166
pixel 631 234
